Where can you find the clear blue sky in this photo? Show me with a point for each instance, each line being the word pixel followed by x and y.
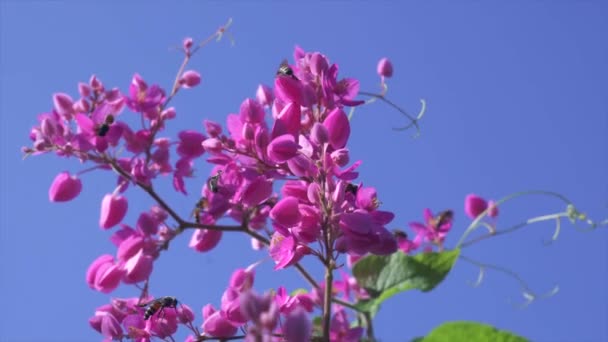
pixel 516 100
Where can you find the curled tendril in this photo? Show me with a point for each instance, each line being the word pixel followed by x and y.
pixel 414 120
pixel 571 213
pixel 527 293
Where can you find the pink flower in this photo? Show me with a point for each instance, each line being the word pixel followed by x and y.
pixel 63 105
pixel 95 266
pixel 338 128
pixel 287 89
pixel 319 134
pixel 242 279
pixel 138 268
pixel 285 251
pixel 110 327
pixel 213 128
pixel 251 112
pixel 64 187
pixel 288 120
pixel 204 240
pixel 143 98
pixel 218 325
pixel 282 148
pixel 107 277
pixel 113 210
pixel 190 144
pixel 264 95
pixel 257 191
pixel 185 314
pixel 190 79
pixel 474 205
pixel 385 68
pixel 286 212
pixel 435 228
pixel 297 327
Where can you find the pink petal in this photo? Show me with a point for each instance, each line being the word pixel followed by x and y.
pixel 113 210
pixel 64 188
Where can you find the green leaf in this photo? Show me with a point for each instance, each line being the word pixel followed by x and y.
pixel 470 332
pixel 385 276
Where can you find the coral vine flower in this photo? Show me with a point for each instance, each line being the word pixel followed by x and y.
pixel 64 188
pixel 142 98
pixel 433 230
pixel 113 210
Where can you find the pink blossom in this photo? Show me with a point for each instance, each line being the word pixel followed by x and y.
pixel 138 268
pixel 95 266
pixel 63 105
pixel 204 240
pixel 385 68
pixel 433 230
pixel 190 79
pixel 474 205
pixel 107 277
pixel 282 148
pixel 297 326
pixel 286 212
pixel 110 327
pixel 64 187
pixel 113 210
pixel 319 134
pixel 264 95
pixel 129 247
pixel 251 112
pixel 217 325
pixel 190 144
pixel 285 251
pixel 213 128
pixel 143 98
pixel 185 314
pixel 257 191
pixel 338 128
pixel 288 120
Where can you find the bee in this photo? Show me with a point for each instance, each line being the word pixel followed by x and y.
pixel 399 234
pixel 286 70
pixel 213 182
pixel 200 206
pixel 442 218
pixel 158 305
pixel 103 129
pixel 352 188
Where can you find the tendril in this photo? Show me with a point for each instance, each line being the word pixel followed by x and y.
pixel 528 294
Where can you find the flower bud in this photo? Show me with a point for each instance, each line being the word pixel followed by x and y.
pixel 187 44
pixel 95 266
pixel 318 64
pixel 257 191
pixel 338 128
pixel 264 95
pixel 190 79
pixel 493 212
pixel 168 114
pixel 81 106
pixel 63 105
pixel 84 90
pixel 248 131
pixel 213 128
pixel 340 157
pixel 297 327
pixel 251 111
pixel 319 134
pixel 138 268
pixel 474 205
pixel 64 188
pixel 113 210
pixel 282 148
pixel 212 145
pixel 385 68
pixel 218 325
pixel 185 314
pixel 204 240
pixel 286 212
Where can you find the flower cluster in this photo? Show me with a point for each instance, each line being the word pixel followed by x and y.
pixel 320 208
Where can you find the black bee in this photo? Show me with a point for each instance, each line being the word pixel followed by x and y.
pixel 103 129
pixel 442 218
pixel 286 70
pixel 158 305
pixel 399 234
pixel 213 182
pixel 200 206
pixel 352 188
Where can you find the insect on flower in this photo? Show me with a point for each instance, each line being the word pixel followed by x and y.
pixel 213 182
pixel 158 305
pixel 103 129
pixel 442 218
pixel 286 70
pixel 200 206
pixel 352 188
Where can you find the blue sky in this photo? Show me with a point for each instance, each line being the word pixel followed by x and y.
pixel 516 100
